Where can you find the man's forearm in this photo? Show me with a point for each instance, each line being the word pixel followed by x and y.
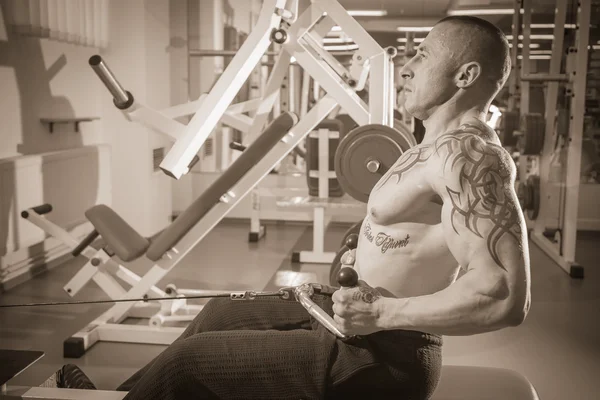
pixel 459 310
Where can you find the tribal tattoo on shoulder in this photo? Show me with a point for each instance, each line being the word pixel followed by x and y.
pixel 483 195
pixel 409 159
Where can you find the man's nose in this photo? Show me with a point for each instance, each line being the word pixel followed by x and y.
pixel 406 72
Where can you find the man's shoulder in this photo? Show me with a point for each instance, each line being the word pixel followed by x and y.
pixel 469 150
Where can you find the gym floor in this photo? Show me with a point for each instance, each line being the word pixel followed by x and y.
pixel 557 347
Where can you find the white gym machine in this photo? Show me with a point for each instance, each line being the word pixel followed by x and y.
pixel 560 247
pixel 299 35
pixel 104 270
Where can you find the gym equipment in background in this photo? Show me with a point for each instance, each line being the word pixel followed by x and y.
pixel 551 199
pixel 165 251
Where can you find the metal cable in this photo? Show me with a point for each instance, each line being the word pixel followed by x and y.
pixel 144 299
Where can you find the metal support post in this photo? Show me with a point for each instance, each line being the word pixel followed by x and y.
pixel 575 142
pixel 564 253
pixel 513 82
pixel 550 110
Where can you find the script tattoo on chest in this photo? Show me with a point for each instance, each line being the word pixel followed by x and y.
pixel 384 241
pixel 482 197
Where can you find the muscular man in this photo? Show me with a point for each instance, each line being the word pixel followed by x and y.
pixel 447 203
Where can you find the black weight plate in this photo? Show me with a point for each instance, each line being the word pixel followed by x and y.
pixel 369 142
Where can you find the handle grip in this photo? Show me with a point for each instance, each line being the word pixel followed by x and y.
pixel 122 98
pixel 303 295
pixel 40 210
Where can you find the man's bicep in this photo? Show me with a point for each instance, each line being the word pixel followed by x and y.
pixel 475 240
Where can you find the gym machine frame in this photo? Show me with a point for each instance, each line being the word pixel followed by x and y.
pixel 299 42
pixel 295 198
pixel 299 36
pixel 562 251
pixel 296 40
pixel 103 269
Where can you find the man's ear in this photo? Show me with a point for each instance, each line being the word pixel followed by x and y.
pixel 468 74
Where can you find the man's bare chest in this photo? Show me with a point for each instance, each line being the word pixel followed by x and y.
pixel 404 193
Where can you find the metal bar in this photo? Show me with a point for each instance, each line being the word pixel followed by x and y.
pixel 379 87
pixel 231 53
pixel 108 78
pixel 240 122
pixel 319 52
pixel 292 90
pixel 551 77
pixel 156 121
pixel 270 96
pixel 178 159
pixel 525 61
pixel 550 110
pixel 318 314
pixel 391 89
pixel 550 249
pixel 222 53
pixel 323 73
pixel 515 73
pixel 189 108
pixel 367 45
pixel 305 93
pixel 569 237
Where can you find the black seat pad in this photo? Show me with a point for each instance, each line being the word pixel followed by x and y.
pixel 126 243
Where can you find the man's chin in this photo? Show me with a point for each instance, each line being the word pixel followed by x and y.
pixel 410 111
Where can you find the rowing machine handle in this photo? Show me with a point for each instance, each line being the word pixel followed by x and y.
pixel 40 210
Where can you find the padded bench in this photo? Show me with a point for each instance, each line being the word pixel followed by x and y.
pixel 457 382
pixel 483 383
pixel 13 362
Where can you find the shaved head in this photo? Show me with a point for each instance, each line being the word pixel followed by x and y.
pixel 472 39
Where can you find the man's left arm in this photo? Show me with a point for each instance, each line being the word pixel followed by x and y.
pixel 485 231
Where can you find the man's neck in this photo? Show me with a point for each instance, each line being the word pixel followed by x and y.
pixel 449 118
